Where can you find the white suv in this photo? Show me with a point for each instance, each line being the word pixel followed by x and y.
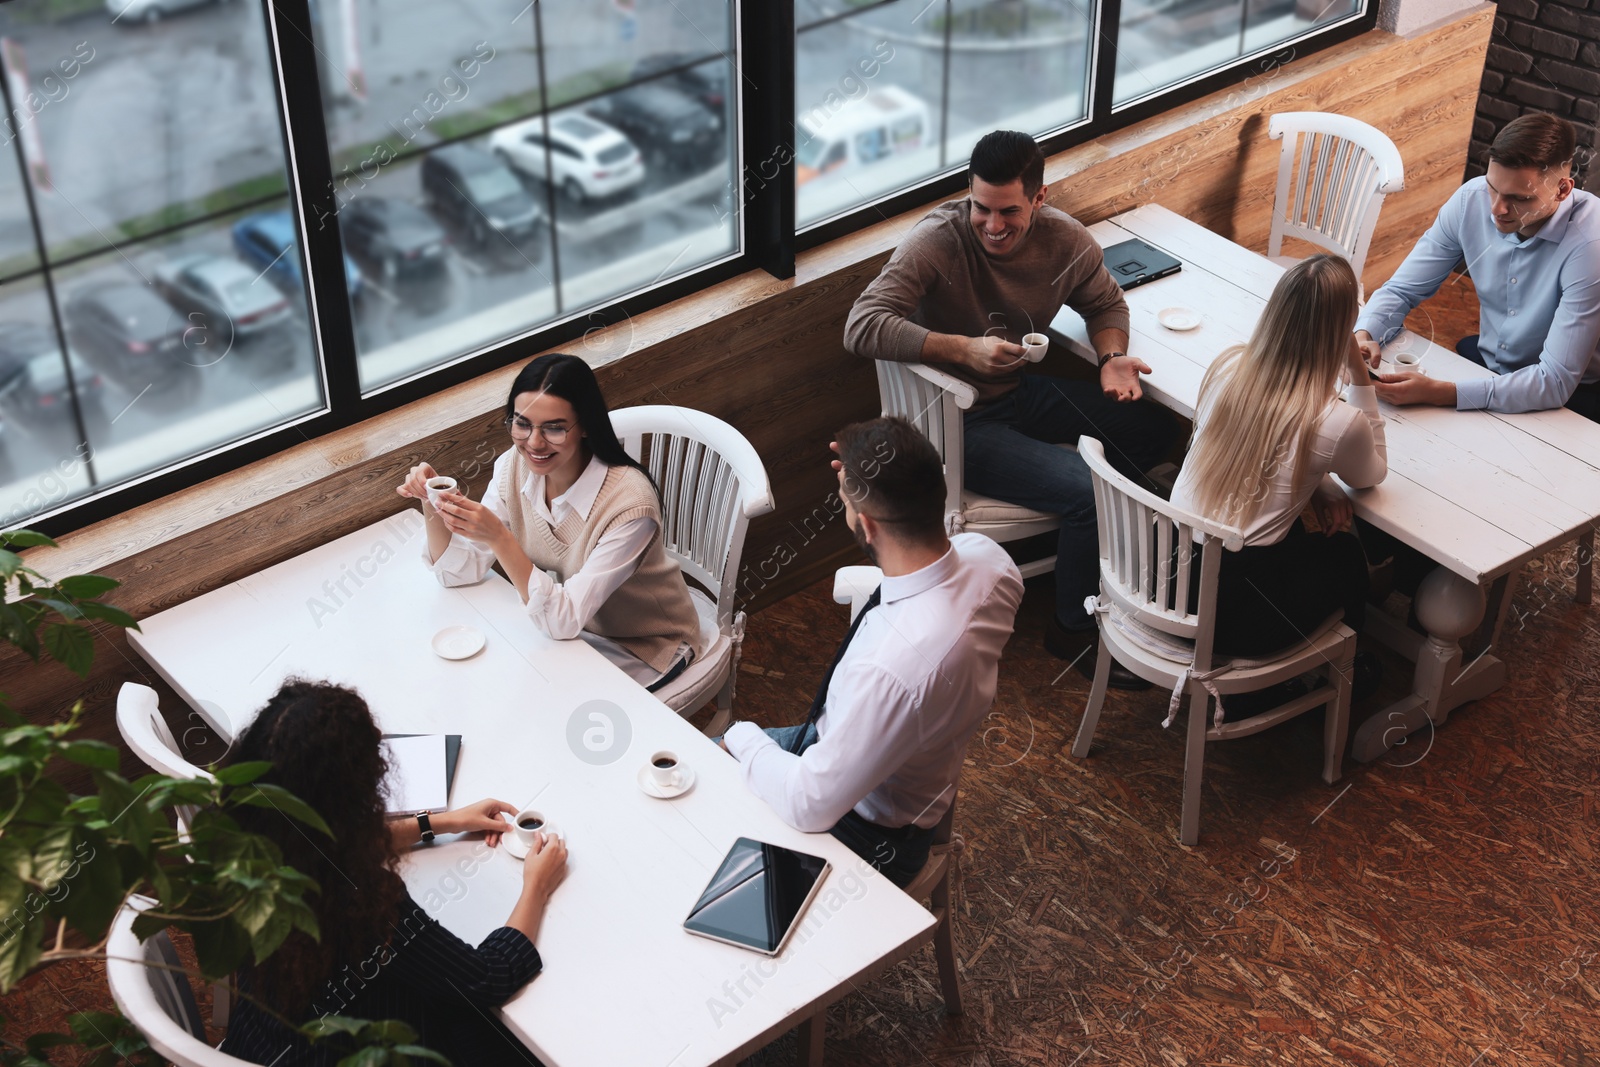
pixel 588 159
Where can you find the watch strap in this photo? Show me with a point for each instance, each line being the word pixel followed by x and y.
pixel 1109 356
pixel 425 825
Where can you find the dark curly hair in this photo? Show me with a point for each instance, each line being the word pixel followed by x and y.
pixel 324 748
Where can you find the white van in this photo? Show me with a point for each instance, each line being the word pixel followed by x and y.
pixel 884 123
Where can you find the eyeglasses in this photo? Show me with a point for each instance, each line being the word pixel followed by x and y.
pixel 521 429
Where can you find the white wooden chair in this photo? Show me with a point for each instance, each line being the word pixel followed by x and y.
pixel 1148 624
pixel 152 992
pixel 1345 170
pixel 712 484
pixel 144 731
pixel 933 402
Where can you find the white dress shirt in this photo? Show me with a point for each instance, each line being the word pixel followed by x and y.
pixel 902 705
pixel 1349 442
pixel 561 609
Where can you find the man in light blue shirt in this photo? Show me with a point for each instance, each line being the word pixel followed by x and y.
pixel 1531 242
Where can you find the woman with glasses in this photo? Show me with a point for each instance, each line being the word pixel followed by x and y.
pixel 575 523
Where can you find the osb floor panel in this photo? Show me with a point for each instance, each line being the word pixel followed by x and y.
pixel 1436 907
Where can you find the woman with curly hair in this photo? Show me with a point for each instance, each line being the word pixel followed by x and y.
pixel 380 955
pixel 575 523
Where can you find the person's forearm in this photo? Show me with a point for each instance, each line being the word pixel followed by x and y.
pixel 528 913
pixel 516 563
pixel 438 533
pixel 945 348
pixel 1110 340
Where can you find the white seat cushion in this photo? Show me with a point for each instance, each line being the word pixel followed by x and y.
pixel 976 508
pixel 1181 650
pixel 690 690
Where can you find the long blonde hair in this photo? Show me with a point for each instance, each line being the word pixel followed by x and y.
pixel 1269 396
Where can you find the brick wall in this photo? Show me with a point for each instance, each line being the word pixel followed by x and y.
pixel 1544 56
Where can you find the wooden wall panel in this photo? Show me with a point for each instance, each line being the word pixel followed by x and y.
pixel 766 355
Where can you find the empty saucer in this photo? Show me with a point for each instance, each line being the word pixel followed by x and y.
pixel 458 642
pixel 1178 318
pixel 648 784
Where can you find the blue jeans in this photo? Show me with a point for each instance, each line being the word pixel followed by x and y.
pixel 1011 456
pixel 897 853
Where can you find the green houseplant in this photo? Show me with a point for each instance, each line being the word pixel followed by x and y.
pixel 69 862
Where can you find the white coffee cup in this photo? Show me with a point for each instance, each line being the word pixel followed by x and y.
pixel 437 486
pixel 1407 359
pixel 1034 346
pixel 664 770
pixel 529 823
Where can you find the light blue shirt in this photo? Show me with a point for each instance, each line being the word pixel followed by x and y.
pixel 1538 298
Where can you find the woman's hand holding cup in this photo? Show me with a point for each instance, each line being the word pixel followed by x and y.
pixel 416 484
pixel 545 866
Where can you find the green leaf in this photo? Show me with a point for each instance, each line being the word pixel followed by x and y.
pixel 418 1052
pixel 26 539
pixel 242 773
pixel 19 947
pixel 266 795
pixel 10 563
pixel 64 608
pixel 329 1026
pixel 72 646
pixel 93 609
pixel 87 586
pixel 220 946
pixel 96 754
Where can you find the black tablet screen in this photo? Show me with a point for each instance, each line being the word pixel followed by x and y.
pixel 756 895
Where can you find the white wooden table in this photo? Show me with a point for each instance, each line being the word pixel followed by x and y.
pixel 623 983
pixel 1480 493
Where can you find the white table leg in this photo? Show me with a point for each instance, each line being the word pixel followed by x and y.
pixel 1450 607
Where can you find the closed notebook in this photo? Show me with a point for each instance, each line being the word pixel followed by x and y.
pixel 422 770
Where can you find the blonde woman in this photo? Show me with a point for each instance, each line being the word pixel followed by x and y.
pixel 1269 430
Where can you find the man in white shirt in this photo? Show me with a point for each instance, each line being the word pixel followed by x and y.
pixel 877 760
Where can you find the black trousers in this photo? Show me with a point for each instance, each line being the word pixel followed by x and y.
pixel 1270 597
pixel 1585 398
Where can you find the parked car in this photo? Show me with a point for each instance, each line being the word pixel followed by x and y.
pixel 667 125
pixel 34 392
pixel 588 159
pixel 149 11
pixel 127 333
pixel 480 194
pixel 396 237
pixel 706 82
pixel 267 241
pixel 882 124
pixel 235 301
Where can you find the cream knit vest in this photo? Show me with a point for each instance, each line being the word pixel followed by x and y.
pixel 650 614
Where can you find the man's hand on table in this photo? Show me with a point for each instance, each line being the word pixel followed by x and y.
pixel 1414 387
pixel 1119 378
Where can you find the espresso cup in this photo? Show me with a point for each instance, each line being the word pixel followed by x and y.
pixel 437 486
pixel 664 770
pixel 1034 346
pixel 1407 359
pixel 529 823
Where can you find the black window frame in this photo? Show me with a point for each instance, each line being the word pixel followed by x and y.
pixel 764 195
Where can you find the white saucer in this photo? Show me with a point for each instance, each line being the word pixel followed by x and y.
pixel 647 783
pixel 1178 318
pixel 514 846
pixel 458 642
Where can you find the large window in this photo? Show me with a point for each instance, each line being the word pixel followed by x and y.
pixel 229 226
pixel 135 329
pixel 502 164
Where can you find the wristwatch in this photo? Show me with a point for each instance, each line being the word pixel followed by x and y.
pixel 426 827
pixel 1109 356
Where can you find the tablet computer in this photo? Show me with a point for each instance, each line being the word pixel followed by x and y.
pixel 757 896
pixel 1133 263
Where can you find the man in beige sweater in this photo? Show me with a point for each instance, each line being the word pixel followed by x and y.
pixel 962 289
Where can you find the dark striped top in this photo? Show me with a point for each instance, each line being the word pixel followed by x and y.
pixel 425 976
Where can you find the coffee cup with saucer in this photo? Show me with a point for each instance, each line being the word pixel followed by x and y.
pixel 665 776
pixel 525 825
